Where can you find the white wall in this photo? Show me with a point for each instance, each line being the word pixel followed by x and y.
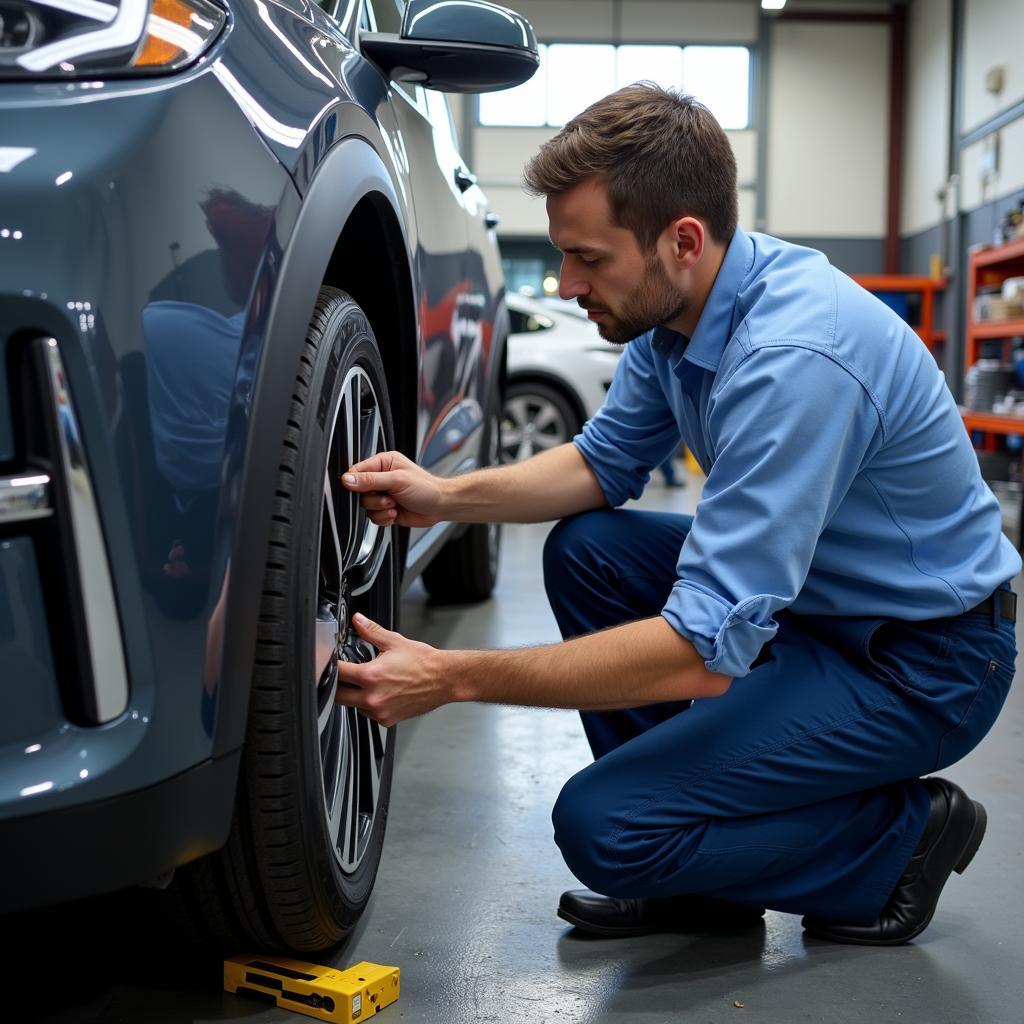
pixel 1008 179
pixel 926 113
pixel 828 130
pixel 993 34
pixel 993 37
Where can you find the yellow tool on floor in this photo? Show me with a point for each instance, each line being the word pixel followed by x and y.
pixel 327 993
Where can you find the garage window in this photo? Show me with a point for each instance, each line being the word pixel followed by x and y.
pixel 571 76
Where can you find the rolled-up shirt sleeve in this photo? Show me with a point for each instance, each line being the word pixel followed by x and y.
pixel 792 428
pixel 634 431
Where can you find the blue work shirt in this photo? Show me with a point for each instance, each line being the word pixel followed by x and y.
pixel 840 478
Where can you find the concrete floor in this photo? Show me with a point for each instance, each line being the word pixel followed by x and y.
pixel 469 880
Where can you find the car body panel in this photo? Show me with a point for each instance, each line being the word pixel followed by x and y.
pixel 108 246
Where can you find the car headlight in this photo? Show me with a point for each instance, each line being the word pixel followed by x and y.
pixel 86 38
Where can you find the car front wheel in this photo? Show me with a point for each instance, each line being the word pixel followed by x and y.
pixel 313 793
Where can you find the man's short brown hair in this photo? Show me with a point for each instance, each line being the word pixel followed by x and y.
pixel 661 154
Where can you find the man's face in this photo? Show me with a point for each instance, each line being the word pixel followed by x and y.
pixel 625 290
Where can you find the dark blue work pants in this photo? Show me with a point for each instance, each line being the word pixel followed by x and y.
pixel 798 789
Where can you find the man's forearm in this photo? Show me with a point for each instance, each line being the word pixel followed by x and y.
pixel 645 662
pixel 551 485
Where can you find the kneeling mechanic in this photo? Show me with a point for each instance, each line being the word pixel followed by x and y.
pixel 762 684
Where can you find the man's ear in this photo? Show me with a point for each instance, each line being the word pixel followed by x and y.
pixel 687 239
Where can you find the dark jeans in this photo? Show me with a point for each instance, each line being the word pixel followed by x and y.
pixel 798 789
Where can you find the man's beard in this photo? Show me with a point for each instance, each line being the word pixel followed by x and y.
pixel 655 300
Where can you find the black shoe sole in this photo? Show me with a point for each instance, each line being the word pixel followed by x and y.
pixel 607 931
pixel 966 856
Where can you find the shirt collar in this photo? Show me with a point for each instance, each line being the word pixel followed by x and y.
pixel 716 326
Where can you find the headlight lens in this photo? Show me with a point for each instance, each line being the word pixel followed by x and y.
pixel 86 38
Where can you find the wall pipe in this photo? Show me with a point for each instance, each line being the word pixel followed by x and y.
pixel 897 84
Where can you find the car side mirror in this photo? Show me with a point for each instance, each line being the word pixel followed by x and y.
pixel 456 46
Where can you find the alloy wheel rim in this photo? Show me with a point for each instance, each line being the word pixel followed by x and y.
pixel 355 573
pixel 531 424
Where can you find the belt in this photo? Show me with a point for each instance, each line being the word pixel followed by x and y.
pixel 1007 605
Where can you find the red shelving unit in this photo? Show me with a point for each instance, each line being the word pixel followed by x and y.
pixel 990 266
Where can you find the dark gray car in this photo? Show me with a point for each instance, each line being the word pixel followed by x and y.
pixel 239 252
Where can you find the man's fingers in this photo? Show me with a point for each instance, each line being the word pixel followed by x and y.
pixel 377 502
pixel 351 673
pixel 382 462
pixel 374 633
pixel 360 482
pixel 379 463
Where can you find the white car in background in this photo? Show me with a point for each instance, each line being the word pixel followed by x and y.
pixel 559 371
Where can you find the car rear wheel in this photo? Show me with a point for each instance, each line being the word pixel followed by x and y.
pixel 536 417
pixel 313 791
pixel 466 568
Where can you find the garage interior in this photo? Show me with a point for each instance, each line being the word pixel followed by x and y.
pixel 890 136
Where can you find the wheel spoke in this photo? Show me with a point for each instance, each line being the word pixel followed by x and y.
pixel 349 850
pixel 350 421
pixel 331 523
pixel 369 433
pixel 547 415
pixel 517 409
pixel 364 574
pixel 372 430
pixel 545 441
pixel 375 758
pixel 332 752
pixel 335 802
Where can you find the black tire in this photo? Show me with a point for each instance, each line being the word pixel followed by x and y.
pixel 465 570
pixel 536 416
pixel 282 882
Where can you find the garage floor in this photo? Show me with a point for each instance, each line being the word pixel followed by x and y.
pixel 470 878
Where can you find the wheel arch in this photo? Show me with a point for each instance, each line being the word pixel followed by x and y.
pixel 362 264
pixel 351 191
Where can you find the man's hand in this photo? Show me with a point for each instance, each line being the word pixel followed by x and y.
pixel 396 491
pixel 405 680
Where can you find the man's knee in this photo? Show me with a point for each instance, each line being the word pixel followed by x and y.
pixel 583 832
pixel 570 545
pixel 611 854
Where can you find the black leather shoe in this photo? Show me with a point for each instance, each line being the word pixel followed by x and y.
pixel 602 915
pixel 955 829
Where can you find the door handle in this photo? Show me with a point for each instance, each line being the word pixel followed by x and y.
pixel 464 179
pixel 491 220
